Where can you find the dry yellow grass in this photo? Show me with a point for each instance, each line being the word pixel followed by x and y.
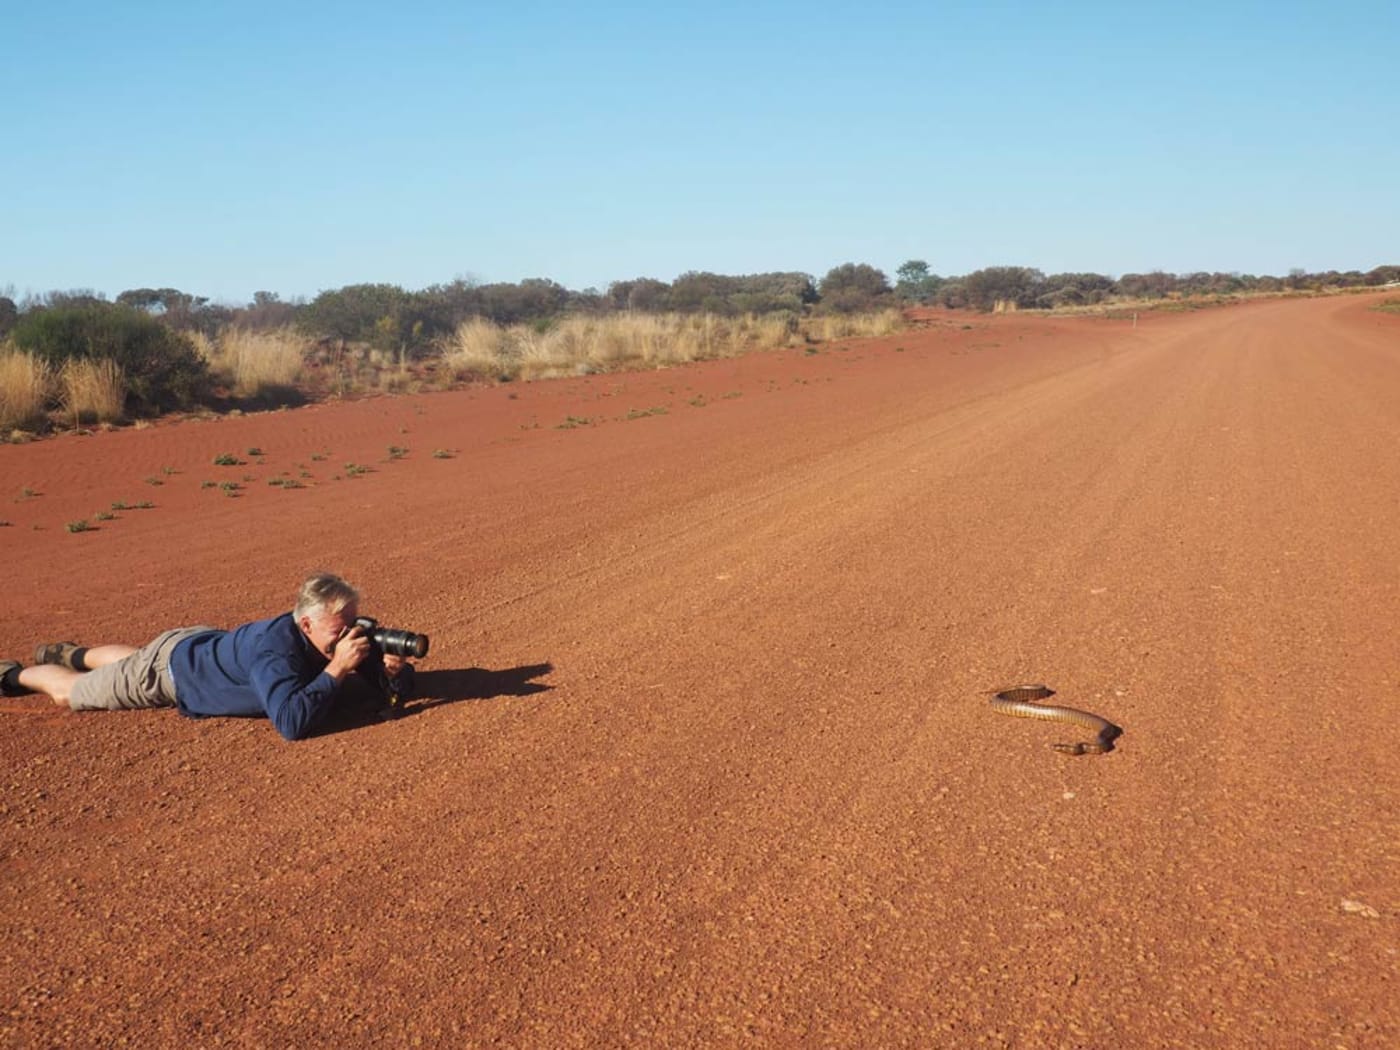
pixel 393 374
pixel 826 327
pixel 577 345
pixel 252 363
pixel 92 390
pixel 24 387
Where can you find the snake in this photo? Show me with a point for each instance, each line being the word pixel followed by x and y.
pixel 1023 701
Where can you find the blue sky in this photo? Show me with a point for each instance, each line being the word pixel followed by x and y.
pixel 226 148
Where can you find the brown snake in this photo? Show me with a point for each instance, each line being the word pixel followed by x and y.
pixel 1023 701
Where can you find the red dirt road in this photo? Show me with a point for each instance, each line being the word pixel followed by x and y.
pixel 707 757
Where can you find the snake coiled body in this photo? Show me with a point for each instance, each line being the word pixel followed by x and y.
pixel 1023 701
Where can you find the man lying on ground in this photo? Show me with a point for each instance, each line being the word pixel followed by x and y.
pixel 289 668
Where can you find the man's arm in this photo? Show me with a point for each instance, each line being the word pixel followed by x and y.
pixel 296 696
pixel 389 675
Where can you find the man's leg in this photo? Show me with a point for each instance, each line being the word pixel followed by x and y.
pixel 55 682
pixel 119 677
pixel 102 655
pixel 79 657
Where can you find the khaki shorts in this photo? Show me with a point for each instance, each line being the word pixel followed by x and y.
pixel 139 680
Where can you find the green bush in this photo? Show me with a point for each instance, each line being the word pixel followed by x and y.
pixel 9 314
pixel 382 315
pixel 162 369
pixel 854 288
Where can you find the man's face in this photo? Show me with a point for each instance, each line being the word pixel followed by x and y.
pixel 324 629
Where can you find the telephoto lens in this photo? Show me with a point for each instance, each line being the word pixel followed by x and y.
pixel 400 643
pixel 394 642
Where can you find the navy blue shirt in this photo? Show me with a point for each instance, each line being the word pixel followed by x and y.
pixel 267 667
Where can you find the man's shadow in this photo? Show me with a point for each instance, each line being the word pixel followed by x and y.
pixel 360 705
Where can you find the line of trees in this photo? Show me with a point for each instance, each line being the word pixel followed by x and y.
pixel 151 333
pixel 1030 289
pixel 389 317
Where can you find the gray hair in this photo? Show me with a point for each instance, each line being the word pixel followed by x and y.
pixel 324 594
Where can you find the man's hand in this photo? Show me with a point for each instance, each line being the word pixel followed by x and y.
pixel 393 664
pixel 350 650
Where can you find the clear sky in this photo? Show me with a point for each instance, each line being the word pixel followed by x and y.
pixel 225 148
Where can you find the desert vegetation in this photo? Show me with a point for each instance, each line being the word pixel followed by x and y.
pixel 24 388
pixel 250 363
pixel 75 358
pixel 609 343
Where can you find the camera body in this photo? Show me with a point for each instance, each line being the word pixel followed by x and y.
pixel 393 642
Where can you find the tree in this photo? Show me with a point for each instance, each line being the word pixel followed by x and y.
pixel 1019 285
pixel 9 314
pixel 1154 285
pixel 266 311
pixel 645 294
pixel 854 286
pixel 369 313
pixel 1072 289
pixel 178 309
pixel 916 284
pixel 695 291
pixel 534 299
pixel 444 306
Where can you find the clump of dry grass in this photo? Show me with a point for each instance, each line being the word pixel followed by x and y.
pixel 825 327
pixel 254 363
pixel 480 347
pixel 576 345
pixel 92 389
pixel 394 375
pixel 24 387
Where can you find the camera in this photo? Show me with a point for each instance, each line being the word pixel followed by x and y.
pixel 393 642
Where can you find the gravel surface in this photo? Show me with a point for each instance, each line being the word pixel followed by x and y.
pixel 705 755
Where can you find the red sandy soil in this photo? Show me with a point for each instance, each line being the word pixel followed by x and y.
pixel 706 755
